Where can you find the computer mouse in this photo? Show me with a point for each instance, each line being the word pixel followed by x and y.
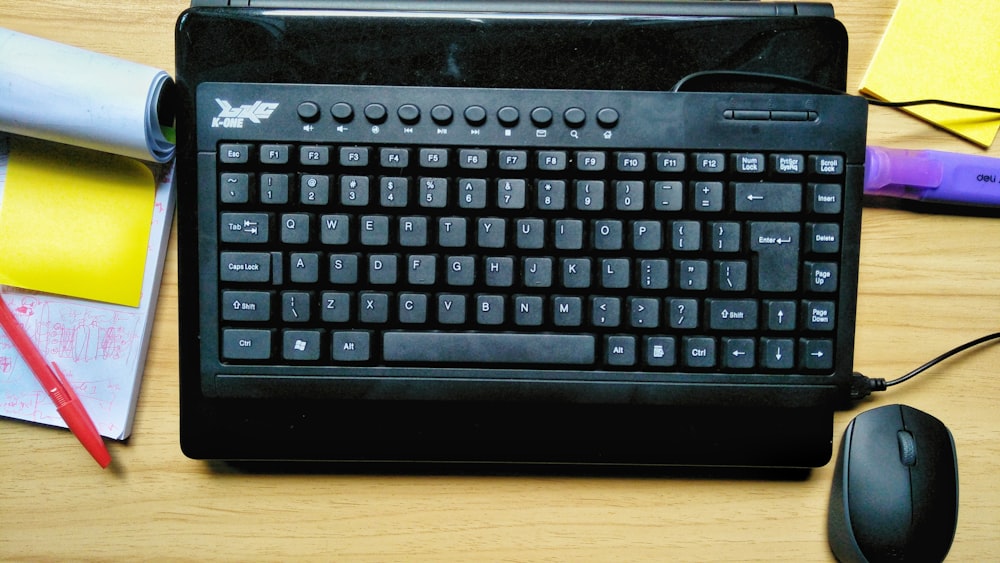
pixel 895 488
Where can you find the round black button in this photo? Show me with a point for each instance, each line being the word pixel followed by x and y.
pixel 607 117
pixel 408 113
pixel 475 115
pixel 575 117
pixel 308 112
pixel 508 116
pixel 442 114
pixel 376 113
pixel 541 117
pixel 342 112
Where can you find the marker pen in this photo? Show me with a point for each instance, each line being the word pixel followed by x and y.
pixel 933 176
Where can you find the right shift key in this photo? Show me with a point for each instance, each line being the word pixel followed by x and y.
pixel 777 248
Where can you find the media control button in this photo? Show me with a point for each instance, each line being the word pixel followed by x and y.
pixel 342 112
pixel 308 112
pixel 541 116
pixel 408 113
pixel 607 117
pixel 575 117
pixel 442 114
pixel 376 113
pixel 475 115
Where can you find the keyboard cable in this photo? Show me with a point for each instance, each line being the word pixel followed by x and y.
pixel 862 385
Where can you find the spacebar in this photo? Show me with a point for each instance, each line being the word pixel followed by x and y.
pixel 488 348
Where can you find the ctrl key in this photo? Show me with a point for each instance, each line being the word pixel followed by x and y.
pixel 246 344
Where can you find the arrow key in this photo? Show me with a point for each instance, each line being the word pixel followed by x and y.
pixel 780 315
pixel 738 353
pixel 779 353
pixel 816 354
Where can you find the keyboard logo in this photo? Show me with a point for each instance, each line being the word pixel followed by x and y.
pixel 233 118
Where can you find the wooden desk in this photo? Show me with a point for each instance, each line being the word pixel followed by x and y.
pixel 928 282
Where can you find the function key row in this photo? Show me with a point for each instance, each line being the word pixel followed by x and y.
pixel 544 160
pixel 442 114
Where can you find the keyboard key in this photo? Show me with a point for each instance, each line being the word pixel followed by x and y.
pixel 354 156
pixel 245 266
pixel 589 195
pixel 249 228
pixel 699 352
pixel 234 153
pixel 711 162
pixel 433 158
pixel 246 306
pixel 246 344
pixel 824 238
pixel 296 306
pixel 300 345
pixel 661 351
pixel 590 161
pixel 826 164
pixel 767 197
pixel 274 154
pixel 488 348
pixel 234 187
pixel 749 163
pixel 732 314
pixel 630 161
pixel 669 161
pixel 816 353
pixel 351 346
pixel 819 315
pixel 822 276
pixel 777 353
pixel 738 353
pixel 777 246
pixel 552 161
pixel 788 163
pixel 707 196
pixel 825 198
pixel 314 155
pixel 551 195
pixel 620 350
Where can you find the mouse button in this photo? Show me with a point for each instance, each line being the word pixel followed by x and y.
pixel 878 484
pixel 934 479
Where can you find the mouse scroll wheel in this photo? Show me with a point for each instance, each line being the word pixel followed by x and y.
pixel 907 448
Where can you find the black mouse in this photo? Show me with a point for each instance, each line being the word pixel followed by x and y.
pixel 895 488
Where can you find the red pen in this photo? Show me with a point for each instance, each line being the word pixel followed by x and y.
pixel 52 379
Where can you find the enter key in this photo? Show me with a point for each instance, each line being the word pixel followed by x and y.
pixel 777 248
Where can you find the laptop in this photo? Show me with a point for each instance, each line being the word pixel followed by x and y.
pixel 581 233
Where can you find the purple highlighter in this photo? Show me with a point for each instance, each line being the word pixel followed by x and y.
pixel 933 176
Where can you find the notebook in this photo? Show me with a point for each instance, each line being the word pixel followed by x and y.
pixel 457 232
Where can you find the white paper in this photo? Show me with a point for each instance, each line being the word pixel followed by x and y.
pixel 69 95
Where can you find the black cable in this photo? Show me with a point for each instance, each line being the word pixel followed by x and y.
pixel 808 85
pixel 862 385
pixel 948 103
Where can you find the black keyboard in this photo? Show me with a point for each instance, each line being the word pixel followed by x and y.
pixel 525 230
pixel 467 246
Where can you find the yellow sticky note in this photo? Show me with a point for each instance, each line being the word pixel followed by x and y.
pixel 75 222
pixel 942 49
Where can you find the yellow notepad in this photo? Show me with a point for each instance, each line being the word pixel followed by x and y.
pixel 75 222
pixel 946 50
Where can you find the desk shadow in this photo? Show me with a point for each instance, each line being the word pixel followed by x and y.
pixel 512 470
